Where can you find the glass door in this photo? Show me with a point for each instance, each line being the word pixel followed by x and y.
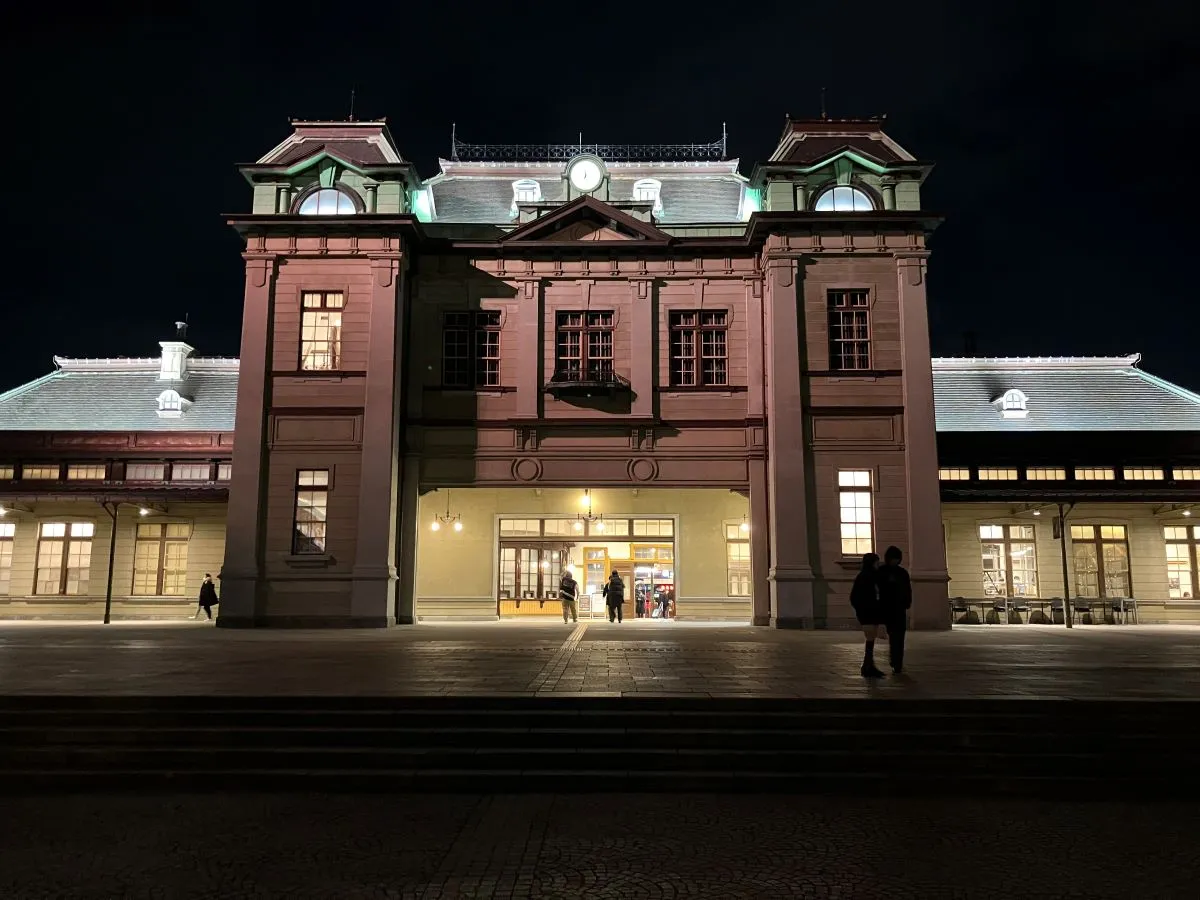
pixel 528 579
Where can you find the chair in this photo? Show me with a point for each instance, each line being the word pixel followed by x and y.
pixel 1058 607
pixel 1000 608
pixel 1021 605
pixel 1122 607
pixel 959 605
pixel 1086 607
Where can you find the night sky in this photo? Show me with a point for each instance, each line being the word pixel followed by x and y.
pixel 1062 161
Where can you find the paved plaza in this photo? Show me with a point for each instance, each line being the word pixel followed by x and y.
pixel 344 847
pixel 636 658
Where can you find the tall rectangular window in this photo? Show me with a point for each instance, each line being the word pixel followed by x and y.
pixel 849 330
pixel 321 330
pixel 312 507
pixel 1183 555
pixel 584 346
pixel 224 471
pixel 160 558
pixel 7 531
pixel 737 560
pixel 855 512
pixel 471 349
pixel 699 349
pixel 64 558
pixel 1009 561
pixel 1101 557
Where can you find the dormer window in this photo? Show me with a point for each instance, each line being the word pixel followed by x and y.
pixel 1013 405
pixel 527 190
pixel 648 190
pixel 171 405
pixel 843 198
pixel 328 202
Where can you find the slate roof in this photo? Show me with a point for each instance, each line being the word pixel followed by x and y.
pixel 692 198
pixel 362 152
pixel 1064 394
pixel 808 141
pixel 121 395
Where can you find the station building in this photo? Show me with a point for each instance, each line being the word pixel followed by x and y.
pixel 596 357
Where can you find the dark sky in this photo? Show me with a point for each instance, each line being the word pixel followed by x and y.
pixel 1059 137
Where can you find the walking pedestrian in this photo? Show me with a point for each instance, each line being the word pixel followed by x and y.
pixel 864 597
pixel 568 593
pixel 895 598
pixel 208 597
pixel 614 596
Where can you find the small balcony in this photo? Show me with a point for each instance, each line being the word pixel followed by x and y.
pixel 588 382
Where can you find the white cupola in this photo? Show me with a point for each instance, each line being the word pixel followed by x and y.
pixel 174 355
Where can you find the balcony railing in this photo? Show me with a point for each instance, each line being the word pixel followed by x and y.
pixel 587 382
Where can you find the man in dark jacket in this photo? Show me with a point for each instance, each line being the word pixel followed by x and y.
pixel 614 596
pixel 208 597
pixel 895 599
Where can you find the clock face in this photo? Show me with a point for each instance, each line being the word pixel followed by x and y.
pixel 585 175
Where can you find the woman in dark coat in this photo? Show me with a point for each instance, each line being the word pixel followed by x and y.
pixel 864 597
pixel 614 596
pixel 208 597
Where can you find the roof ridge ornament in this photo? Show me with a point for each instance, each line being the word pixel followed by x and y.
pixel 461 151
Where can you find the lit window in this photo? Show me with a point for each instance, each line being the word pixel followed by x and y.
pixel 520 527
pixel 225 472
pixel 843 198
pixel 160 558
pixel 526 190
pixel 1044 473
pixel 648 190
pixel 849 330
pixel 471 349
pixel 737 560
pixel 699 349
pixel 40 473
pixel 584 347
pixel 855 512
pixel 86 472
pixel 1182 542
pixel 7 531
pixel 64 558
pixel 145 472
pixel 997 474
pixel 1186 474
pixel 1009 561
pixel 311 513
pixel 1101 561
pixel 327 202
pixel 7 473
pixel 171 404
pixel 1095 474
pixel 1142 474
pixel 321 330
pixel 954 474
pixel 653 527
pixel 1013 405
pixel 190 471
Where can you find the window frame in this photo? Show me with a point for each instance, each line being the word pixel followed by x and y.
pixel 160 572
pixel 57 468
pixel 869 490
pixel 8 534
pixel 1098 541
pixel 1006 542
pixel 735 536
pixel 677 326
pixel 829 190
pixel 585 330
pixel 481 372
pixel 308 348
pixel 64 568
pixel 314 489
pixel 1192 543
pixel 313 190
pixel 90 468
pixel 841 316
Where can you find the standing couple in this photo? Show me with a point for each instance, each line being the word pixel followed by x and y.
pixel 614 597
pixel 882 595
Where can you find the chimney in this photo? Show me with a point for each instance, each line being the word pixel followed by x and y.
pixel 174 355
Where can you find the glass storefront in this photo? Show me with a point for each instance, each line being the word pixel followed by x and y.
pixel 534 553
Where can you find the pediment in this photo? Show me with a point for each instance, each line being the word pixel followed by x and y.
pixel 587 220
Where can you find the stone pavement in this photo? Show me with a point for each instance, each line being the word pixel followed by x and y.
pixel 633 659
pixel 591 846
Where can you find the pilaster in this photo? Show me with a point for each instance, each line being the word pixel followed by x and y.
pixel 530 311
pixel 926 553
pixel 643 343
pixel 408 534
pixel 760 537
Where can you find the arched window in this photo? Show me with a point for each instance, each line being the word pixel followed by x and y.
pixel 171 404
pixel 648 190
pixel 843 198
pixel 1014 404
pixel 527 190
pixel 328 202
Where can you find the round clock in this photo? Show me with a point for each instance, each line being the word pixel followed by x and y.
pixel 585 175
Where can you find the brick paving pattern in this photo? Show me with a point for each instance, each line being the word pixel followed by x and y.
pixel 613 846
pixel 638 658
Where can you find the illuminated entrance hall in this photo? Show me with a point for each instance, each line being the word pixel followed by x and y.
pixel 484 554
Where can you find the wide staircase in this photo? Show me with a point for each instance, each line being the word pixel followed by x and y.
pixel 1054 748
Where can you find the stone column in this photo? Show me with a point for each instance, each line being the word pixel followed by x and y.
pixel 373 588
pixel 791 575
pixel 925 554
pixel 372 197
pixel 643 339
pixel 888 186
pixel 530 310
pixel 283 199
pixel 243 588
pixel 760 550
pixel 802 194
pixel 407 525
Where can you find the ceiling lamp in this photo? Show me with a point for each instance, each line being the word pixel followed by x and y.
pixel 453 519
pixel 587 515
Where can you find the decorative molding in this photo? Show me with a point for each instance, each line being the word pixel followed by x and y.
pixel 527 469
pixel 643 469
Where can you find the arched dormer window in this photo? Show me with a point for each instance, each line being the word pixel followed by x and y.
pixel 1013 404
pixel 328 202
pixel 171 404
pixel 843 198
pixel 527 190
pixel 648 190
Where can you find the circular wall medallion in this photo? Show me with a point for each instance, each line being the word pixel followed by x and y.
pixel 527 470
pixel 586 173
pixel 643 469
